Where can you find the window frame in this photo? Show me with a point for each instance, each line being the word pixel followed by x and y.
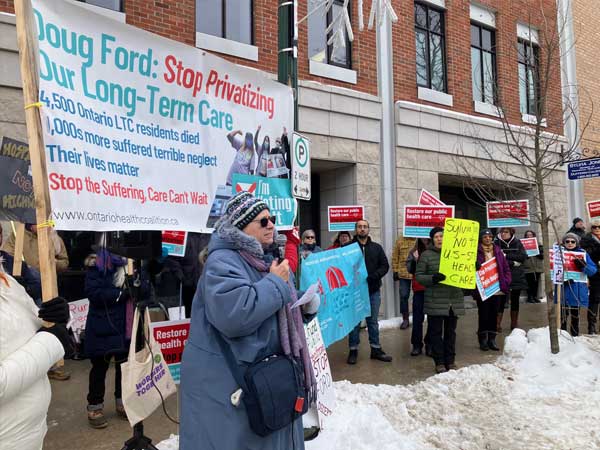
pixel 529 63
pixel 481 51
pixel 224 23
pixel 428 32
pixel 120 10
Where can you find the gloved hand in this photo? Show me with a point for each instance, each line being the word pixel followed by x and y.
pixel 60 331
pixel 437 277
pixel 396 276
pixel 55 311
pixel 477 265
pixel 313 306
pixel 579 263
pixel 516 264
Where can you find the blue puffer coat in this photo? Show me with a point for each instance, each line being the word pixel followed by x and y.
pixel 577 294
pixel 241 303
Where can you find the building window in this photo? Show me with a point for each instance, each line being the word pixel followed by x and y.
pixel 483 63
pixel 318 50
pixel 430 40
pixel 228 19
pixel 529 76
pixel 115 5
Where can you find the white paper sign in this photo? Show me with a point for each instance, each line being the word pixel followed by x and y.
pixel 78 311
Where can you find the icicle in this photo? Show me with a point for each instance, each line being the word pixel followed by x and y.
pixel 361 16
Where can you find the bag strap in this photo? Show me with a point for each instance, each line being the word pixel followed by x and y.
pixel 230 359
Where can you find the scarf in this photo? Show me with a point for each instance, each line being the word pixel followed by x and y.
pixel 291 327
pixel 488 250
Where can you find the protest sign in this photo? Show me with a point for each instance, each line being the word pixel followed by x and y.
pixel 419 220
pixel 78 312
pixel 172 335
pixel 459 253
pixel 276 192
pixel 427 198
pixel 321 368
pixel 531 246
pixel 175 242
pixel 488 280
pixel 341 276
pixel 593 209
pixel 565 264
pixel 16 186
pixel 509 213
pixel 344 218
pixel 141 131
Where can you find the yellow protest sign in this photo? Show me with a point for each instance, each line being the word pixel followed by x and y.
pixel 459 253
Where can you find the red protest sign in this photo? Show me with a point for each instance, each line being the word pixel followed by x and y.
pixel 509 213
pixel 172 336
pixel 531 246
pixel 593 209
pixel 488 279
pixel 344 218
pixel 419 220
pixel 175 242
pixel 427 198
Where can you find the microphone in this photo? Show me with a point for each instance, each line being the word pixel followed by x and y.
pixel 280 241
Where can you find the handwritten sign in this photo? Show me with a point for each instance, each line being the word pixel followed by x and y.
pixel 531 246
pixel 344 218
pixel 419 220
pixel 510 213
pixel 172 336
pixel 16 186
pixel 427 198
pixel 78 312
pixel 488 280
pixel 566 265
pixel 593 209
pixel 320 363
pixel 459 252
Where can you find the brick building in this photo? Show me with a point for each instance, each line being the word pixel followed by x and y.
pixel 454 62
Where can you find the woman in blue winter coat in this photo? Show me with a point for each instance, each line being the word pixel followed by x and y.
pixel 243 297
pixel 575 294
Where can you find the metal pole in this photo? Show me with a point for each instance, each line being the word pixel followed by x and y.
pixel 287 58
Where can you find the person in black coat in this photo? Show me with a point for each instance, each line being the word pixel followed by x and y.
pixel 377 266
pixel 516 255
pixel 591 244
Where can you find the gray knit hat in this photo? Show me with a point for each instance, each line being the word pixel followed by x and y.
pixel 571 236
pixel 243 208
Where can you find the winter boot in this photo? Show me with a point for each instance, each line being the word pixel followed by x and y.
pixel 452 366
pixel 59 373
pixel 499 322
pixel 352 357
pixel 96 418
pixel 379 354
pixel 405 323
pixel 514 320
pixel 483 342
pixel 121 409
pixel 491 343
pixel 440 368
pixel 416 351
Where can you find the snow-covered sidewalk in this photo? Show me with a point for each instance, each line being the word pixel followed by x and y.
pixel 528 399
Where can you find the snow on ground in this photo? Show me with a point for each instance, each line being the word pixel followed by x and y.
pixel 528 399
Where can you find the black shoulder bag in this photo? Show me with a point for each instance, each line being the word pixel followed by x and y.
pixel 274 392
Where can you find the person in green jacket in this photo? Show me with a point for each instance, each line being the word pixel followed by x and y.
pixel 443 304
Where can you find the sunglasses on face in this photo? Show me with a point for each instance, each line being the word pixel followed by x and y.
pixel 264 222
pixel 309 237
pixel 570 241
pixel 595 227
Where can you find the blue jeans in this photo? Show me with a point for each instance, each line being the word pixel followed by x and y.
pixel 372 325
pixel 405 285
pixel 416 338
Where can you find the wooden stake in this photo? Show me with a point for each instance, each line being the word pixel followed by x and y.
pixel 558 303
pixel 28 58
pixel 19 229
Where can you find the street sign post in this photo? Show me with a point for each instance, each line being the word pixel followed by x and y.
pixel 587 168
pixel 300 167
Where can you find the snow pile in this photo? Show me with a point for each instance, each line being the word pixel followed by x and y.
pixel 169 444
pixel 529 399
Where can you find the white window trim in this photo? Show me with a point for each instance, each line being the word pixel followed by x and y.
pixel 111 14
pixel 487 109
pixel 433 96
pixel 226 46
pixel 482 15
pixel 330 71
pixel 532 120
pixel 528 33
pixel 437 3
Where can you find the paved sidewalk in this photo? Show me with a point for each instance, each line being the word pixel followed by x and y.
pixel 67 420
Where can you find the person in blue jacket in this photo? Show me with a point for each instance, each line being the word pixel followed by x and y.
pixel 240 295
pixel 575 294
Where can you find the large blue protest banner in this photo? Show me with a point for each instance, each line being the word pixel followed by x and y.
pixel 276 192
pixel 342 279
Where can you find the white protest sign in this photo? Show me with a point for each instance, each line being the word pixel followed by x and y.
pixel 320 364
pixel 140 131
pixel 78 312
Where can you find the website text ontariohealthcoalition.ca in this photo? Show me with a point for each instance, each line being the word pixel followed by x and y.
pixel 113 218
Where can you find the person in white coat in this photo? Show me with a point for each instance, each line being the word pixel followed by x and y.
pixel 27 350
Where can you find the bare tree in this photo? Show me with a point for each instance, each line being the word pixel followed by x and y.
pixel 523 160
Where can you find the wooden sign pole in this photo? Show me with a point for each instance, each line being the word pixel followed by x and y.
pixel 28 58
pixel 19 229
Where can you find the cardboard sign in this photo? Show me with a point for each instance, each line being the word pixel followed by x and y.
pixel 175 242
pixel 488 280
pixel 78 312
pixel 566 265
pixel 172 336
pixel 419 220
pixel 459 253
pixel 16 186
pixel 320 363
pixel 531 246
pixel 509 213
pixel 593 209
pixel 427 198
pixel 344 218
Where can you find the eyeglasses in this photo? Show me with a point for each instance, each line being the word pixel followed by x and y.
pixel 595 227
pixel 264 222
pixel 309 237
pixel 570 241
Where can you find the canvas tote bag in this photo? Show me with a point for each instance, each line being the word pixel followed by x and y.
pixel 140 396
